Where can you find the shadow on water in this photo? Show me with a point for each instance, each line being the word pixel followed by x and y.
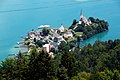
pixel 92 40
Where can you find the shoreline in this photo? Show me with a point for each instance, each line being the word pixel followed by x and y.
pixel 47 38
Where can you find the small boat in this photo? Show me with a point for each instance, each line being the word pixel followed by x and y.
pixel 21 42
pixel 18 42
pixel 23 37
pixel 12 54
pixel 17 47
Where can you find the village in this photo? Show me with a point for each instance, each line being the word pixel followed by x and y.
pixel 49 38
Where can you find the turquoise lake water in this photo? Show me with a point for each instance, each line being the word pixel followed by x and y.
pixel 17 17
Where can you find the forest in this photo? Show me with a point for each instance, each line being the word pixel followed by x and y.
pixel 100 61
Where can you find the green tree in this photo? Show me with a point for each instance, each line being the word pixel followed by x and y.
pixel 53 50
pixel 39 43
pixel 81 76
pixel 45 31
pixel 92 19
pixel 42 67
pixel 99 76
pixel 63 46
pixel 116 75
pixel 55 39
pixel 62 73
pixel 68 61
pixel 7 69
pixel 74 22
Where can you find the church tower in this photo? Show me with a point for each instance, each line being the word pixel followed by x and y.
pixel 81 14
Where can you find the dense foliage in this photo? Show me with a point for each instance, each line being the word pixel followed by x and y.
pixel 45 31
pixel 100 61
pixel 95 27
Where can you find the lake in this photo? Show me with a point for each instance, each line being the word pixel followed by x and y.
pixel 17 17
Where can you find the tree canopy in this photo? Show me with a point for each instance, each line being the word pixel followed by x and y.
pixel 100 61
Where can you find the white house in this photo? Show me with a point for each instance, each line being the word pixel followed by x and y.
pixel 46 47
pixel 68 35
pixel 62 29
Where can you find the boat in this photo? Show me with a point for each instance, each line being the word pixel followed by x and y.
pixel 12 54
pixel 21 42
pixel 18 42
pixel 17 47
pixel 23 37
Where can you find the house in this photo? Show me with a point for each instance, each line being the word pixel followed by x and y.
pixel 46 47
pixel 60 38
pixel 68 35
pixel 55 35
pixel 53 44
pixel 62 29
pixel 51 54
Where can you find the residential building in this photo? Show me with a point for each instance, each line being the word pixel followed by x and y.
pixel 46 47
pixel 62 29
pixel 68 35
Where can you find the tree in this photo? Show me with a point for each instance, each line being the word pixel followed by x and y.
pixel 7 69
pixel 62 73
pixel 45 31
pixel 72 45
pixel 35 40
pixel 99 76
pixel 74 22
pixel 21 57
pixel 42 67
pixel 53 50
pixel 39 43
pixel 92 19
pixel 55 39
pixel 63 46
pixel 81 76
pixel 97 26
pixel 68 61
pixel 116 75
pixel 100 61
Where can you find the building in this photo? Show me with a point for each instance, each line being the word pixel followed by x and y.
pixel 83 19
pixel 62 29
pixel 68 35
pixel 46 47
pixel 53 44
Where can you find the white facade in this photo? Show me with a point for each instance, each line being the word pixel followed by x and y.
pixel 46 47
pixel 68 35
pixel 84 19
pixel 62 28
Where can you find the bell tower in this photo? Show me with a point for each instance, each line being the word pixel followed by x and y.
pixel 81 14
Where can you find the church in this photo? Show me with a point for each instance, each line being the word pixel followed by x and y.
pixel 83 19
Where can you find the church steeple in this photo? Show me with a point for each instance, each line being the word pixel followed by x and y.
pixel 81 13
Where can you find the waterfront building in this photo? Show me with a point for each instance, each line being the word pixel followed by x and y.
pixel 83 19
pixel 62 29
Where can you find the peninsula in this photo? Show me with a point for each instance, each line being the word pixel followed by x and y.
pixel 51 40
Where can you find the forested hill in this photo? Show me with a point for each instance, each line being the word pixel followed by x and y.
pixel 89 27
pixel 100 61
